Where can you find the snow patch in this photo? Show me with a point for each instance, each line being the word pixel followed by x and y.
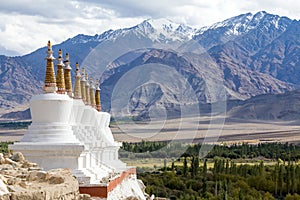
pixel 165 31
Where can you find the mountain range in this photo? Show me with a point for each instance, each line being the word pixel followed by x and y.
pixel 159 64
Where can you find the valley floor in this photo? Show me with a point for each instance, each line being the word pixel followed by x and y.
pixel 11 135
pixel 196 129
pixel 210 129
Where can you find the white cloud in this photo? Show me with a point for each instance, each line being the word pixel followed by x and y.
pixel 26 25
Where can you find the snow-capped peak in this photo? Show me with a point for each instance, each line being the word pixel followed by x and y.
pixel 158 30
pixel 165 30
pixel 162 24
pixel 245 22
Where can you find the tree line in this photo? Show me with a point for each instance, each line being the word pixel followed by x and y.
pixel 148 149
pixel 221 175
pixel 224 180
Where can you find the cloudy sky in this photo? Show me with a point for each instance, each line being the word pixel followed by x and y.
pixel 26 25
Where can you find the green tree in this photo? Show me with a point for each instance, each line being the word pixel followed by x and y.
pixel 293 177
pixel 185 167
pixel 193 166
pixel 204 179
pixel 196 167
pixel 227 167
pixel 261 169
pixel 233 169
pixel 281 179
pixel 288 177
pixel 276 178
pixel 292 197
pixel 268 196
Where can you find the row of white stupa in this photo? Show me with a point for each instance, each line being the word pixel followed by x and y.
pixel 68 130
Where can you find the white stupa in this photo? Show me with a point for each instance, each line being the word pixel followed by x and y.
pixel 70 132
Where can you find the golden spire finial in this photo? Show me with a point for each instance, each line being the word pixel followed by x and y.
pixel 77 87
pixel 67 73
pixel 60 78
pixel 92 93
pixel 49 46
pixel 50 81
pixel 87 90
pixel 60 53
pixel 82 85
pixel 97 96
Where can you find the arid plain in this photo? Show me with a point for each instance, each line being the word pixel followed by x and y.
pixel 196 129
pixel 209 129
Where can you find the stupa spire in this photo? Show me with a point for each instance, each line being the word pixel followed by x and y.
pixel 97 96
pixel 67 74
pixel 87 90
pixel 50 80
pixel 77 87
pixel 60 79
pixel 82 85
pixel 92 93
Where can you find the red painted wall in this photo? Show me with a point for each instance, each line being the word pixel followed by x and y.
pixel 102 191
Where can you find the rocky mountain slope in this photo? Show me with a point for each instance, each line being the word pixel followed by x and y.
pixel 17 83
pixel 269 107
pixel 169 79
pixel 166 64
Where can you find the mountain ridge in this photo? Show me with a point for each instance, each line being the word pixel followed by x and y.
pixel 251 54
